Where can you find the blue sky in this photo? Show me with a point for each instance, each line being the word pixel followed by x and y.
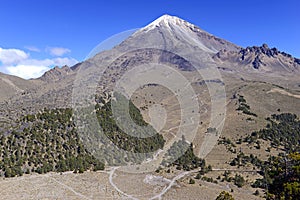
pixel 41 34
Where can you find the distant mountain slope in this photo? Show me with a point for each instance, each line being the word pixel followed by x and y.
pixel 12 85
pixel 56 74
pixel 261 58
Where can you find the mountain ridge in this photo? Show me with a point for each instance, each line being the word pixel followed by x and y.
pixel 261 57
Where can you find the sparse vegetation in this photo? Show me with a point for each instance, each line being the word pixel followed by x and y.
pixel 244 107
pixel 224 196
pixel 186 158
pixel 192 181
pixel 239 180
pixel 209 179
pixel 282 130
pixel 281 173
pixel 230 146
pixel 242 160
pixel 281 177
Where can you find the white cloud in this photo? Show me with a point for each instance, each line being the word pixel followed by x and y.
pixel 57 51
pixel 17 62
pixel 33 68
pixel 64 61
pixel 27 71
pixel 32 48
pixel 50 62
pixel 12 56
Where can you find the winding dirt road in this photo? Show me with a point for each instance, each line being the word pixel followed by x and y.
pixel 158 196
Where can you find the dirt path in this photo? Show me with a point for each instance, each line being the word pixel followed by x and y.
pixel 284 92
pixel 111 175
pixel 158 196
pixel 179 176
pixel 69 188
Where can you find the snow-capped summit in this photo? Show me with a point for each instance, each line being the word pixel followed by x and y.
pixel 169 21
pixel 167 31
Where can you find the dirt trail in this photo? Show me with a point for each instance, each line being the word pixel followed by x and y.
pixel 69 188
pixel 111 173
pixel 173 181
pixel 284 92
pixel 158 196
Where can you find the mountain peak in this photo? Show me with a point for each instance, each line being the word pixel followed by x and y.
pixel 169 21
pixel 56 73
pixel 167 18
pixel 171 32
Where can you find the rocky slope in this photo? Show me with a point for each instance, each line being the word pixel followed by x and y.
pixel 56 74
pixel 261 58
pixel 12 85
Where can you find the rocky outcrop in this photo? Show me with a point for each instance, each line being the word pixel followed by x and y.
pixel 56 73
pixel 258 57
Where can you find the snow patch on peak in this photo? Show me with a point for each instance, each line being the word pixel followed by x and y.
pixel 173 31
pixel 168 21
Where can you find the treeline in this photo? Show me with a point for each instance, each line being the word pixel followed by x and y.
pixel 49 141
pixel 281 177
pixel 182 156
pixel 244 107
pixel 142 138
pixel 282 130
pixel 281 174
pixel 45 142
pixel 241 160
